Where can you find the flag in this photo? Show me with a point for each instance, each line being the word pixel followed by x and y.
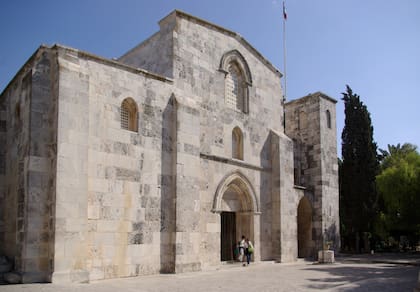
pixel 284 11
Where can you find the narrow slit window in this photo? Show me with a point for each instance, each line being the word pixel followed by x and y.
pixel 237 144
pixel 328 114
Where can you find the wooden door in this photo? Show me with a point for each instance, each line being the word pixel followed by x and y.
pixel 228 236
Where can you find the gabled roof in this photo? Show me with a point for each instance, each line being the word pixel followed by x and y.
pixel 235 35
pixel 88 56
pixel 317 94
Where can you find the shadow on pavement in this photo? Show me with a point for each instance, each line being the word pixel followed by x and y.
pixel 378 277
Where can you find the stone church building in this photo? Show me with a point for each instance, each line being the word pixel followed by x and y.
pixel 160 160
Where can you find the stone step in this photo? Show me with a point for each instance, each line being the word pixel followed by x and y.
pixel 5 267
pixel 12 278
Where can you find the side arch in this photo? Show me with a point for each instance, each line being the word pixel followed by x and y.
pixel 240 181
pixel 304 224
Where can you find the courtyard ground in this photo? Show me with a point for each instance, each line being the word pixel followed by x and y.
pixel 349 273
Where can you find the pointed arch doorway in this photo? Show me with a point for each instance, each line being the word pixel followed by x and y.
pixel 237 205
pixel 304 225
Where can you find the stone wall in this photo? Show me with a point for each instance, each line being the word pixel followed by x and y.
pixel 198 49
pixel 16 105
pixel 3 152
pixel 154 54
pixel 188 180
pixel 30 168
pixel 330 189
pixel 71 224
pixel 284 200
pixel 109 184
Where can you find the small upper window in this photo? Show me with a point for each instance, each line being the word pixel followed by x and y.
pixel 237 144
pixel 129 115
pixel 328 114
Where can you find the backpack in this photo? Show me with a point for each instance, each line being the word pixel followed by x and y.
pixel 250 247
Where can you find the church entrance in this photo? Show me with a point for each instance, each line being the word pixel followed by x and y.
pixel 228 238
pixel 236 204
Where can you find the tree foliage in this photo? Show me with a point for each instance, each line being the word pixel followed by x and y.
pixel 358 198
pixel 399 186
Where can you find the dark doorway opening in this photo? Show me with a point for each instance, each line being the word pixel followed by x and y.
pixel 228 236
pixel 304 228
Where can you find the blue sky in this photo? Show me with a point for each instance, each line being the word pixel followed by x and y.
pixel 374 46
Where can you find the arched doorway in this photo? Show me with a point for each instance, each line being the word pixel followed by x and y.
pixel 304 228
pixel 236 203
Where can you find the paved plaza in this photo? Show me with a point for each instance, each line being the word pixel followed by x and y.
pixel 266 276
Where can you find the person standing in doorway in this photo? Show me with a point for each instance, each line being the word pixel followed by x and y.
pixel 241 249
pixel 249 249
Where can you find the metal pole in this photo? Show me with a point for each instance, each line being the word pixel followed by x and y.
pixel 284 51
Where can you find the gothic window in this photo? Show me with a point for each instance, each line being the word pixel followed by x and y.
pixel 234 87
pixel 237 144
pixel 328 119
pixel 237 80
pixel 129 115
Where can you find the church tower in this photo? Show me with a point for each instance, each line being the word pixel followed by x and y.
pixel 310 123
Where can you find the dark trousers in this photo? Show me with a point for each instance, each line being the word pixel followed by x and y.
pixel 248 256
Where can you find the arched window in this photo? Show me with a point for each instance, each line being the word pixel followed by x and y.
pixel 237 80
pixel 328 114
pixel 129 115
pixel 234 88
pixel 237 144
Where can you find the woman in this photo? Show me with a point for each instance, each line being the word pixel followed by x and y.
pixel 241 249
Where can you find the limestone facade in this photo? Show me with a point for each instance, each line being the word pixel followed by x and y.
pixel 159 161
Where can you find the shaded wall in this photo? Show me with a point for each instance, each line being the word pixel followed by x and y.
pixel 30 167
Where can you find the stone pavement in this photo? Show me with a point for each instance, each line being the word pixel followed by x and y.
pixel 261 277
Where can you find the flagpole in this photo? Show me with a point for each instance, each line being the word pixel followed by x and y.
pixel 284 51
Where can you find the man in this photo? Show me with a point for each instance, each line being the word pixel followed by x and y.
pixel 249 249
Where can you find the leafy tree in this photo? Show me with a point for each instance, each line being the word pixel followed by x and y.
pixel 394 153
pixel 358 197
pixel 399 187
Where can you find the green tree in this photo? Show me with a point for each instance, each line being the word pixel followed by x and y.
pixel 399 187
pixel 358 197
pixel 393 153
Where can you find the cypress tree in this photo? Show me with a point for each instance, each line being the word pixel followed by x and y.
pixel 358 198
